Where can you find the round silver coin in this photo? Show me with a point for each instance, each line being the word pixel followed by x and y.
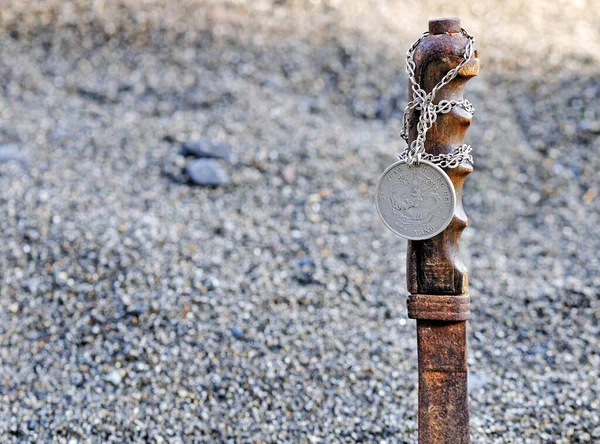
pixel 416 202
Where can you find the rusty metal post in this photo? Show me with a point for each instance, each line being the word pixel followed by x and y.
pixel 436 278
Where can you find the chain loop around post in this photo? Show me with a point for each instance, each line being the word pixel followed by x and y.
pixel 423 102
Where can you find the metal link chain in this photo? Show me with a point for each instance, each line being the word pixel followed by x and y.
pixel 423 102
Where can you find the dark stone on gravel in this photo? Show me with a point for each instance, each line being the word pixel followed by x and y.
pixel 304 270
pixel 206 148
pixel 137 310
pixel 206 172
pixel 237 333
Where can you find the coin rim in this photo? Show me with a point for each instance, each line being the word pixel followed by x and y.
pixel 429 235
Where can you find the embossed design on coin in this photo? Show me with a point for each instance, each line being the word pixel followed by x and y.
pixel 415 202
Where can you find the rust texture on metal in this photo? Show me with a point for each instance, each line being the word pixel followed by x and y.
pixel 438 307
pixel 436 277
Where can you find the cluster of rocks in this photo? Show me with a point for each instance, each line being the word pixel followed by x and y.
pixel 200 162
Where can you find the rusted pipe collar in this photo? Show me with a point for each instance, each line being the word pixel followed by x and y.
pixel 438 307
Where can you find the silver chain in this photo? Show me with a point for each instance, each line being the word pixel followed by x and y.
pixel 423 102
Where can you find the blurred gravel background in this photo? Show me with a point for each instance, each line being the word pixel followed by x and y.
pixel 137 308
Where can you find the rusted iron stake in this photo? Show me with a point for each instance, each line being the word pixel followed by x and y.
pixel 436 277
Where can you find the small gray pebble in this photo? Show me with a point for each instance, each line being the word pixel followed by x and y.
pixel 288 174
pixel 206 172
pixel 304 270
pixel 590 126
pixel 114 377
pixel 237 333
pixel 206 148
pixel 137 310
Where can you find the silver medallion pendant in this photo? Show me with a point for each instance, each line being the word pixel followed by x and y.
pixel 415 201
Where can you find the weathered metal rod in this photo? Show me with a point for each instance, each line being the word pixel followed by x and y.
pixel 436 277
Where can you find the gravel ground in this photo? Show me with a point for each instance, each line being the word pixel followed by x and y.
pixel 137 308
